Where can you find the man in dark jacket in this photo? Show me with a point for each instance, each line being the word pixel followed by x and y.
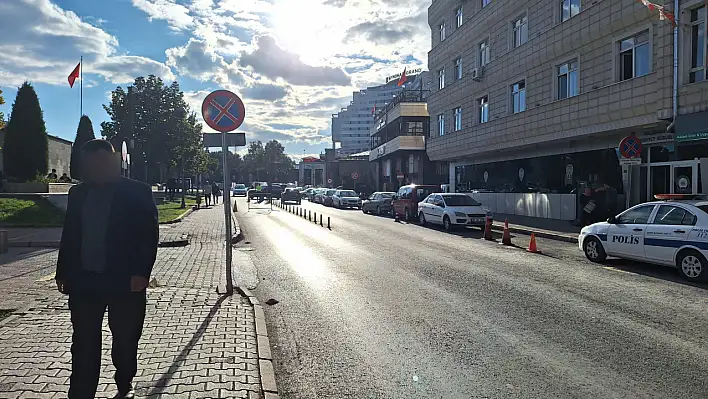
pixel 108 248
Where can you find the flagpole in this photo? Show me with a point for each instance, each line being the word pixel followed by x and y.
pixel 81 87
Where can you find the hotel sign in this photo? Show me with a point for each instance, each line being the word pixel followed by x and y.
pixel 408 72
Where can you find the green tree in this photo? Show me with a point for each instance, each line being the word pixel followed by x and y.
pixel 26 145
pixel 83 134
pixel 267 163
pixel 2 116
pixel 165 132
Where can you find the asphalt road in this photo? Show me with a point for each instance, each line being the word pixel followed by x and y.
pixel 380 309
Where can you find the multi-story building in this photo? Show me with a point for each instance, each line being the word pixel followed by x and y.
pixel 398 137
pixel 535 96
pixel 351 126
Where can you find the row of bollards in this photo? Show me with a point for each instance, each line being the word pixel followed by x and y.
pixel 305 214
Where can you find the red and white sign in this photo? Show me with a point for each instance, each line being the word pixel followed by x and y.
pixel 400 176
pixel 355 175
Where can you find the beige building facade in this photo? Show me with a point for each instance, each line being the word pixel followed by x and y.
pixel 534 96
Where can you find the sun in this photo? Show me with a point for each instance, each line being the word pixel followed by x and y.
pixel 309 29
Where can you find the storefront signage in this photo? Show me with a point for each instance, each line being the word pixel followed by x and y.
pixel 408 72
pixel 691 136
pixel 381 150
pixel 649 138
pixel 381 124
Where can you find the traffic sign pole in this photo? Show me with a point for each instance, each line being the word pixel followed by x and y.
pixel 224 111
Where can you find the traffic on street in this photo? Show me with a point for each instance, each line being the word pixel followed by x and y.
pixel 377 306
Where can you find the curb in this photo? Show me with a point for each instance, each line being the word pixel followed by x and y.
pixel 180 217
pixel 265 358
pixel 537 233
pixel 34 244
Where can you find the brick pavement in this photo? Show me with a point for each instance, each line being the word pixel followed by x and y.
pixel 196 344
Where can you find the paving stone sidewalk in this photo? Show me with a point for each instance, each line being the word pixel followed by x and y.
pixel 196 343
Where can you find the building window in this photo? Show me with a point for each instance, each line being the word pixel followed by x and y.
pixel 441 124
pixel 458 118
pixel 485 3
pixel 441 79
pixel 634 56
pixel 518 96
pixel 698 45
pixel 569 9
pixel 483 53
pixel 442 31
pixel 415 128
pixel 521 31
pixel 568 80
pixel 483 109
pixel 458 68
pixel 458 17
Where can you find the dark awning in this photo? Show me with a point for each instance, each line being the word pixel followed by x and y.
pixel 690 127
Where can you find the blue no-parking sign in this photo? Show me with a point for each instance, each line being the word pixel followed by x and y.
pixel 223 111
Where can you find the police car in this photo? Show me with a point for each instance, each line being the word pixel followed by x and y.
pixel 672 232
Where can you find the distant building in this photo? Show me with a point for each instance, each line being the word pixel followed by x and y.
pixel 351 126
pixel 59 154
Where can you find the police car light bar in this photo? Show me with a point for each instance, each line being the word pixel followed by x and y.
pixel 680 196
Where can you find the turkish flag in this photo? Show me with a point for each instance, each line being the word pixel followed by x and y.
pixel 403 78
pixel 74 75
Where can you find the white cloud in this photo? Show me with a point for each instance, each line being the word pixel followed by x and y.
pixel 176 15
pixel 42 43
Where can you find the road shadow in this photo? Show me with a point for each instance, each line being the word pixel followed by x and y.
pixel 158 387
pixel 650 270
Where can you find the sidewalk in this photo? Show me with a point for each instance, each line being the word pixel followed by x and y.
pixel 560 230
pixel 195 344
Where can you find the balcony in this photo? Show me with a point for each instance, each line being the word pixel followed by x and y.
pixel 400 143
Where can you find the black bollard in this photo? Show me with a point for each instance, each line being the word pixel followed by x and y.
pixel 321 220
pixel 328 226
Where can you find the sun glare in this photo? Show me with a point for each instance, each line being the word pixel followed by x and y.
pixel 308 29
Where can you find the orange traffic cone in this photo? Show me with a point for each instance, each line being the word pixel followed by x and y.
pixel 506 237
pixel 488 230
pixel 532 245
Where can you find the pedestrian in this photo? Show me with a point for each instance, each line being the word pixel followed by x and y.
pixel 207 193
pixel 107 252
pixel 215 192
pixel 64 178
pixel 52 175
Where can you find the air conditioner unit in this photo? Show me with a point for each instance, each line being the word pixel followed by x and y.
pixel 477 74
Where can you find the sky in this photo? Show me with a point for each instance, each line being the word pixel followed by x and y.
pixel 293 62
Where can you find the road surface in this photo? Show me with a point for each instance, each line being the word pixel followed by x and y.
pixel 380 309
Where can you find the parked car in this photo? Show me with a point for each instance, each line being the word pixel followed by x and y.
pixel 239 190
pixel 672 232
pixel 306 193
pixel 276 190
pixel 405 202
pixel 291 195
pixel 327 197
pixel 346 199
pixel 452 209
pixel 319 195
pixel 379 203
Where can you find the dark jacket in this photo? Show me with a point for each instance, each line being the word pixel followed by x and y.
pixel 131 240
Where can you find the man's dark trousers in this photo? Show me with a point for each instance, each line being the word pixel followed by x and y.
pixel 126 314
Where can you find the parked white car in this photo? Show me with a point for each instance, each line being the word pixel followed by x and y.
pixel 346 199
pixel 452 209
pixel 670 233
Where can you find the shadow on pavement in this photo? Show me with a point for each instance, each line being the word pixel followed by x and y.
pixel 650 270
pixel 159 386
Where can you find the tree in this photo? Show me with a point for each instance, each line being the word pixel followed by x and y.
pixel 165 132
pixel 26 145
pixel 2 116
pixel 83 134
pixel 267 163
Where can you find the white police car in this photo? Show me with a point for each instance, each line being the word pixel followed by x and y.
pixel 671 232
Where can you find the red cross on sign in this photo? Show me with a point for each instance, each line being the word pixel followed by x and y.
pixel 630 147
pixel 223 111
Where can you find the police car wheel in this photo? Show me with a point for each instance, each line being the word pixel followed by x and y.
pixel 593 250
pixel 692 265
